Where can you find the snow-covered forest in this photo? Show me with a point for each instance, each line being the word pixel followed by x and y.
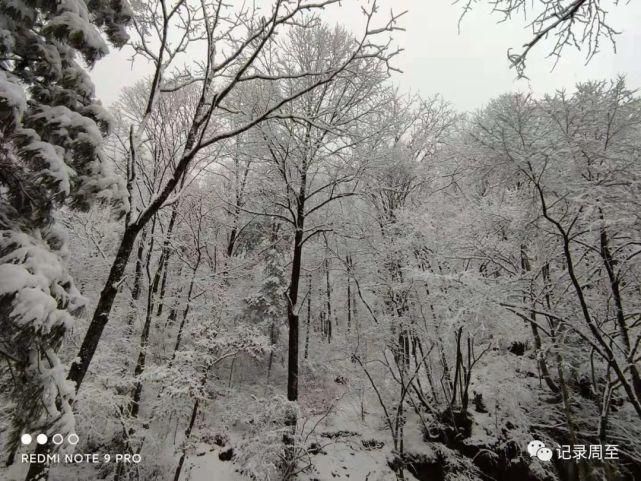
pixel 268 260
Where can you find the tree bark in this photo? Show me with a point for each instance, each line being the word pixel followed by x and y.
pixel 349 296
pixel 292 316
pixel 166 253
pixel 328 294
pixel 183 321
pixel 272 341
pixel 103 309
pixel 309 313
pixel 135 291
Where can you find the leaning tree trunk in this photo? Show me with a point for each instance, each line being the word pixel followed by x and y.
pixel 189 429
pixel 103 309
pixel 190 426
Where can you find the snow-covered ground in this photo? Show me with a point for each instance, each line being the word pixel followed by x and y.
pixel 339 438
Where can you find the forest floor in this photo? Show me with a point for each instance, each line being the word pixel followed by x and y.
pixel 349 440
pixel 347 445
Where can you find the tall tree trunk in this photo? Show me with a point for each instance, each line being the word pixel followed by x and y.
pixel 135 291
pixel 309 313
pixel 538 345
pixel 144 336
pixel 144 342
pixel 272 341
pixel 292 315
pixel 292 291
pixel 189 429
pixel 457 369
pixel 349 295
pixel 328 304
pixel 183 321
pixel 166 253
pixel 136 394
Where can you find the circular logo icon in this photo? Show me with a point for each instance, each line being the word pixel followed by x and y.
pixel 544 454
pixel 73 439
pixel 534 446
pixel 26 439
pixel 58 439
pixel 41 438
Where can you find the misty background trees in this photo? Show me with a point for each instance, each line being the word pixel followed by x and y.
pixel 266 261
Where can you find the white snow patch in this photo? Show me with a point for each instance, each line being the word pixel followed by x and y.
pixel 13 96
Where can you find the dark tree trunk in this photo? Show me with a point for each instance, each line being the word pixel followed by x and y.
pixel 166 253
pixel 103 309
pixel 183 321
pixel 292 315
pixel 292 291
pixel 144 336
pixel 309 313
pixel 192 421
pixel 232 241
pixel 328 294
pixel 457 368
pixel 135 291
pixel 272 341
pixel 142 355
pixel 349 295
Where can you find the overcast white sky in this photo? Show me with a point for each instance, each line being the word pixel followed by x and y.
pixel 466 68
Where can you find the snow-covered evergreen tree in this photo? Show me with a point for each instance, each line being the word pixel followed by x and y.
pixel 51 131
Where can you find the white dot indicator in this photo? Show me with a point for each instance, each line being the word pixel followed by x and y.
pixel 73 439
pixel 41 438
pixel 26 439
pixel 58 439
